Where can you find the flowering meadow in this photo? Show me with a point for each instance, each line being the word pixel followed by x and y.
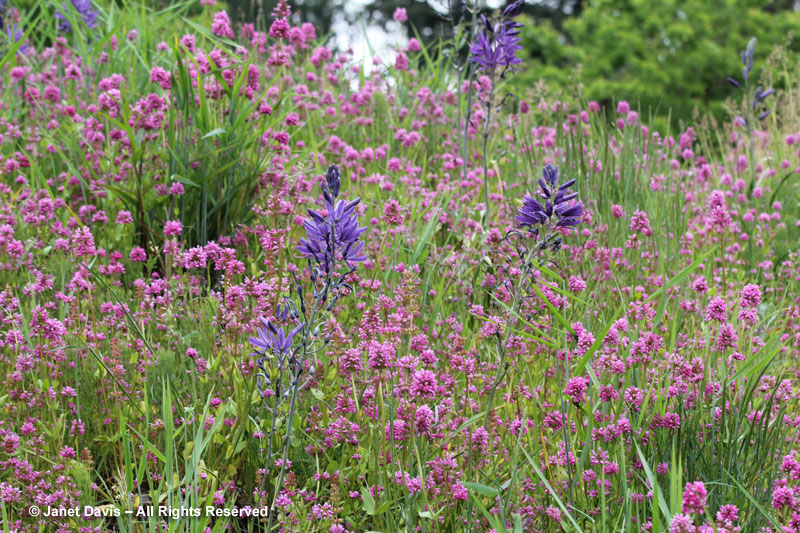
pixel 251 284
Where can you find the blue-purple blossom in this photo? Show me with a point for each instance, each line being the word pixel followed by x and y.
pixel 83 8
pixel 759 97
pixel 760 94
pixel 497 46
pixel 333 178
pixel 496 49
pixel 336 236
pixel 531 213
pixel 273 339
pixel 557 201
pixel 15 34
pixel 514 9
pixel 747 58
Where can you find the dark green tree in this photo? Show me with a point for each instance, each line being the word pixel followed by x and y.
pixel 669 55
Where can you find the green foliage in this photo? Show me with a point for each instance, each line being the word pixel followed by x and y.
pixel 660 56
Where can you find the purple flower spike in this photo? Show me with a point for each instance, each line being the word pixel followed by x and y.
pixel 334 180
pixel 550 173
pixel 514 10
pixel 558 202
pixel 273 339
pixel 84 9
pixel 531 213
pixel 497 46
pixel 764 94
pixel 15 34
pixel 335 236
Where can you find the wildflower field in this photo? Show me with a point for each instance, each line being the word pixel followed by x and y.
pixel 250 283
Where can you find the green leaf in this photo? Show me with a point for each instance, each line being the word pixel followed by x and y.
pixel 383 508
pixel 213 133
pixel 550 489
pixel 654 482
pixel 368 501
pixel 553 310
pixel 483 490
pixel 761 509
pixel 517 523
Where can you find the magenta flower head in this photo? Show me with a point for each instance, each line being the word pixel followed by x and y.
pixel 681 523
pixel 694 497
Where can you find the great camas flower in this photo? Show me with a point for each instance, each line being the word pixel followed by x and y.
pixel 273 339
pixel 498 44
pixel 335 236
pixel 83 8
pixel 557 201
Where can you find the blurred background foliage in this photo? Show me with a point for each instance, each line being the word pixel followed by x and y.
pixel 668 58
pixel 660 56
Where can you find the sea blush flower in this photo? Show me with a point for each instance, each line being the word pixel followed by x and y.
pixel 640 223
pixel 138 254
pixel 172 227
pixel 681 524
pixel 279 29
pixel 221 26
pixel 783 497
pixel 576 389
pixel 424 419
pixel 576 284
pixel 424 384
pixel 161 76
pixel 727 338
pixel 716 310
pixel 694 497
pixel 750 296
pixel 728 513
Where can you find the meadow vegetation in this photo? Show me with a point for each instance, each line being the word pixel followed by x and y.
pixel 244 271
